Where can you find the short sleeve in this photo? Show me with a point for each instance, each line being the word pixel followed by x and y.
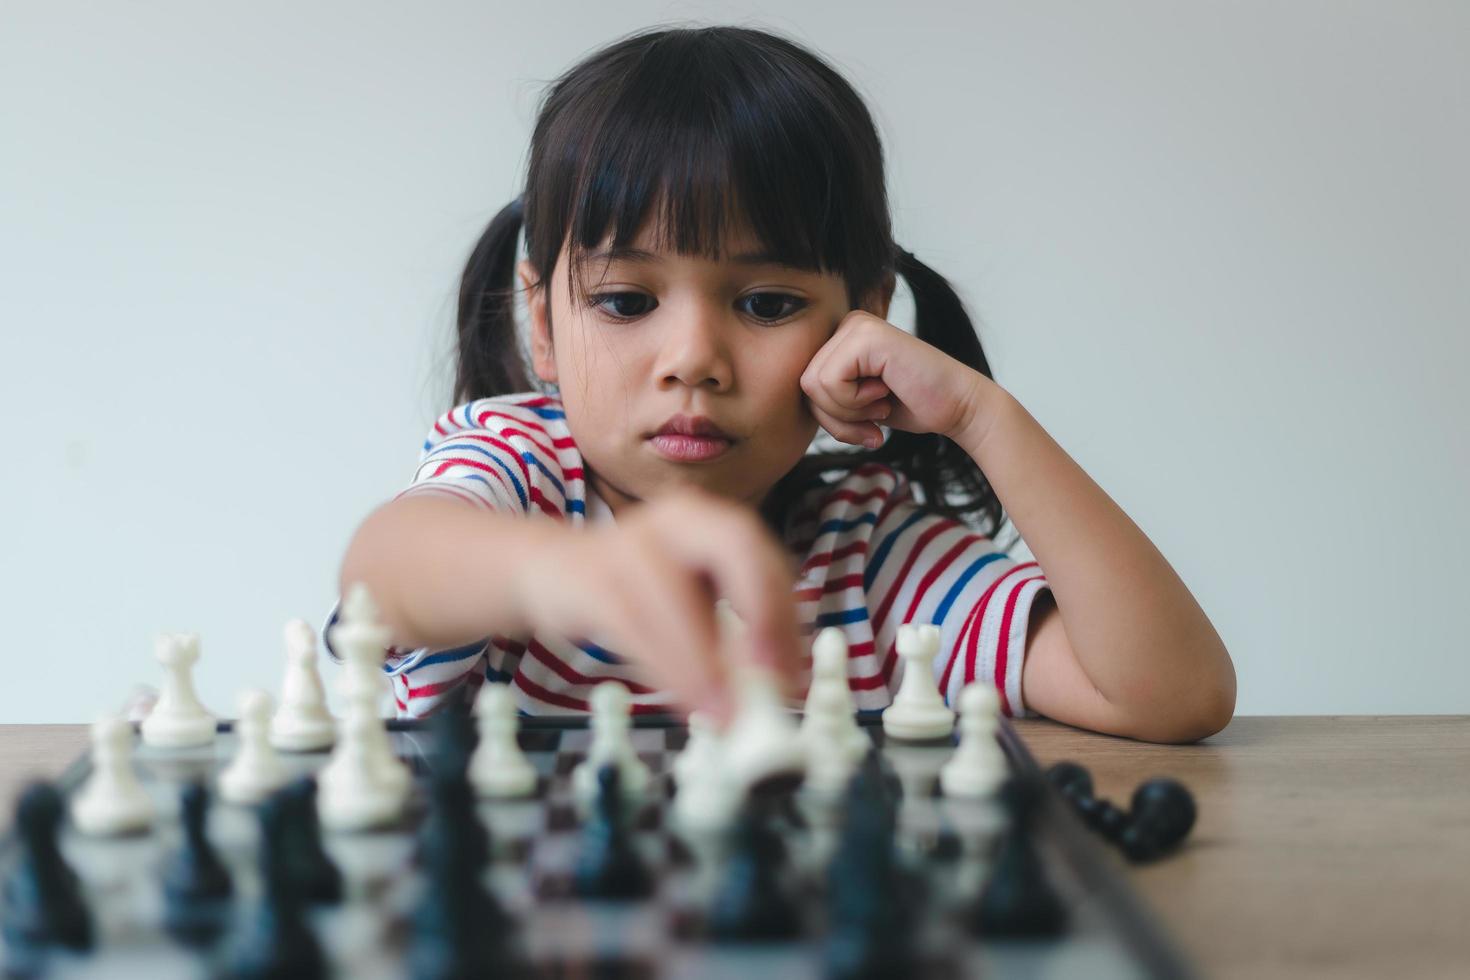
pixel 494 452
pixel 924 567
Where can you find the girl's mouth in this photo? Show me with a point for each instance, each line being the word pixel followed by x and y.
pixel 688 449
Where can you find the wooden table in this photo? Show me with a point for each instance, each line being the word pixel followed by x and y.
pixel 1325 847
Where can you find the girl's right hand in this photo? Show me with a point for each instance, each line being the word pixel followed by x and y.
pixel 646 588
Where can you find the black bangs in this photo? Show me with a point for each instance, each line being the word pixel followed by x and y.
pixel 692 134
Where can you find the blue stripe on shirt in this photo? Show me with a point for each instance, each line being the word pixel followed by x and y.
pixel 875 559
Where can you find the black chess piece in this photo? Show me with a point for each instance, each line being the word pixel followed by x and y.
pixel 43 903
pixel 1016 899
pixel 451 797
pixel 1075 784
pixel 1161 815
pixel 870 899
pixel 274 941
pixel 316 879
pixel 197 891
pixel 460 929
pixel 752 900
pixel 608 865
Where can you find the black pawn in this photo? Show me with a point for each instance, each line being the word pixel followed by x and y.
pixel 197 890
pixel 608 865
pixel 316 878
pixel 1016 900
pixel 460 929
pixel 1162 814
pixel 870 899
pixel 275 942
pixel 751 901
pixel 453 813
pixel 43 907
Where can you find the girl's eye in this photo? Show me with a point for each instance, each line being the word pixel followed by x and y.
pixel 630 306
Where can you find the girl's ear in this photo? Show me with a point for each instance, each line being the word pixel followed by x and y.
pixel 542 359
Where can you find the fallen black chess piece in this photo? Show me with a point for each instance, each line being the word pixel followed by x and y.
pixel 1160 816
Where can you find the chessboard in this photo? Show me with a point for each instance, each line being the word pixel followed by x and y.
pixel 942 860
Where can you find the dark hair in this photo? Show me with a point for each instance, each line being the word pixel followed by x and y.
pixel 718 122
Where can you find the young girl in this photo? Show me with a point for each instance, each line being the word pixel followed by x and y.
pixel 709 264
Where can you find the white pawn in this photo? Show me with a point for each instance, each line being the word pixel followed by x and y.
pixel 832 755
pixel 829 672
pixel 918 712
pixel 255 771
pixel 112 801
pixel 706 800
pixel 612 744
pixel 979 765
pixel 178 720
pixel 499 769
pixel 763 740
pixel 354 796
pixel 302 723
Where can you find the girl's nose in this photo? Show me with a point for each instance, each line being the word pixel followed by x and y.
pixel 693 351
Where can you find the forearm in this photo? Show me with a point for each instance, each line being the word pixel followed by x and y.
pixel 1134 627
pixel 438 569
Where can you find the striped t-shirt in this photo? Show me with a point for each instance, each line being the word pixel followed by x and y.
pixel 871 558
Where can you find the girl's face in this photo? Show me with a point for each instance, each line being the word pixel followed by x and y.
pixel 662 335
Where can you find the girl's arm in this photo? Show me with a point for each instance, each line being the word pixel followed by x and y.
pixel 438 569
pixel 1125 648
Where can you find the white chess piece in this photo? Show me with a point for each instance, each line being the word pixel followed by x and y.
pixel 499 769
pixel 364 784
pixel 763 741
pixel 978 766
pixel 829 673
pixel 918 712
pixel 256 771
pixel 178 720
pixel 832 755
pixel 302 723
pixel 112 800
pixel 353 795
pixel 706 799
pixel 612 744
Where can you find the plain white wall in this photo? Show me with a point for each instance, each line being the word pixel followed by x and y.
pixel 1219 251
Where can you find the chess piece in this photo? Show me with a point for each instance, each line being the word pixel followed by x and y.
pixel 832 754
pixel 612 744
pixel 314 877
pixel 363 784
pixel 1017 901
pixel 752 900
pixel 197 890
pixel 829 673
pixel 499 769
pixel 275 940
pixel 607 865
pixel 178 720
pixel 918 713
pixel 460 929
pixel 43 905
pixel 255 771
pixel 112 800
pixel 979 765
pixel 706 800
pixel 762 745
pixel 302 723
pixel 870 900
pixel 1160 815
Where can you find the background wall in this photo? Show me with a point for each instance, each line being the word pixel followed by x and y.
pixel 1219 251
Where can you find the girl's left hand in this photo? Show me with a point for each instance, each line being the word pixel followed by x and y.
pixel 871 371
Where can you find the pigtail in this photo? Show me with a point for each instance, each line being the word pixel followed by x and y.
pixel 952 483
pixel 490 361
